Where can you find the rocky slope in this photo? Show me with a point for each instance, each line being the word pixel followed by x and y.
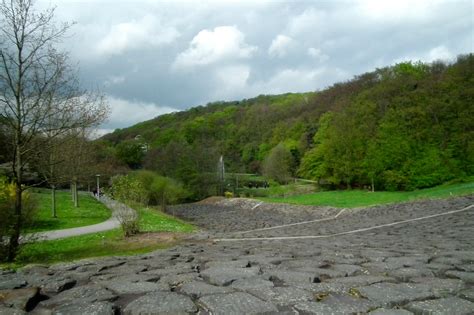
pixel 421 266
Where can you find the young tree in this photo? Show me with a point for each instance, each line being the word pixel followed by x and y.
pixel 40 98
pixel 277 164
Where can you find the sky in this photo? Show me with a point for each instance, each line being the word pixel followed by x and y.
pixel 155 57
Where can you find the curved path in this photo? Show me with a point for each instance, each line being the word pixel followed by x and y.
pixel 110 224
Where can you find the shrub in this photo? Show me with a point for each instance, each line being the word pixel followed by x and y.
pixel 229 194
pixel 277 164
pixel 159 190
pixel 129 220
pixel 128 189
pixel 394 180
pixel 8 217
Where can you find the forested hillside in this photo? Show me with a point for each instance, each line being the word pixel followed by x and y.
pixel 397 128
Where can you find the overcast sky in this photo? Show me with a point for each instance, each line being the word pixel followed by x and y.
pixel 154 57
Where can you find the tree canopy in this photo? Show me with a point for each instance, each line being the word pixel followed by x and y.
pixel 405 126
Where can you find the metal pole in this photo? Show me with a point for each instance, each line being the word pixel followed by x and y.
pixel 98 186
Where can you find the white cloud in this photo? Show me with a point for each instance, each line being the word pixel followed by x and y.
pixel 358 35
pixel 299 80
pixel 316 53
pixel 439 53
pixel 125 113
pixel 136 34
pixel 310 21
pixel 232 81
pixel 97 133
pixel 436 53
pixel 211 46
pixel 114 80
pixel 396 10
pixel 280 46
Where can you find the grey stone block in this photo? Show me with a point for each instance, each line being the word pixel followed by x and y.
pixel 11 311
pixel 467 294
pixel 225 275
pixel 251 284
pixel 121 287
pixel 336 305
pixel 97 308
pixel 86 293
pixel 235 303
pixel 282 295
pixel 24 299
pixel 197 289
pixel 293 277
pixel 452 305
pixel 384 311
pixel 405 274
pixel 161 303
pixel 12 281
pixel 464 276
pixel 393 294
pixel 442 287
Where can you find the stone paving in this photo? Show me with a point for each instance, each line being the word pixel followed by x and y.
pixel 418 267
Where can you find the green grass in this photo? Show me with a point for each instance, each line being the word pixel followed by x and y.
pixel 104 243
pixel 360 198
pixel 80 247
pixel 152 220
pixel 89 212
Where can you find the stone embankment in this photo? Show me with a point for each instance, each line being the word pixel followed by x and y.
pixel 252 258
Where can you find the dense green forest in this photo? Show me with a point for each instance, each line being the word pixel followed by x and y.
pixel 402 127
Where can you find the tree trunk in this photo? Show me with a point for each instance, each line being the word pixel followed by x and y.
pixel 76 196
pixel 17 225
pixel 53 200
pixel 373 184
pixel 163 203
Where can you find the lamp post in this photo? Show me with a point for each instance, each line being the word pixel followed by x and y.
pixel 98 185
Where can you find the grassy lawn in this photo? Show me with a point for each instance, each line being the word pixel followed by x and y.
pixel 359 198
pixel 152 220
pixel 90 211
pixel 104 243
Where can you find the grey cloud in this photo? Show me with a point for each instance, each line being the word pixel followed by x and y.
pixel 346 38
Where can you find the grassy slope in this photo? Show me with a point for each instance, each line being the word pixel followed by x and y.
pixel 152 220
pixel 359 198
pixel 102 244
pixel 90 211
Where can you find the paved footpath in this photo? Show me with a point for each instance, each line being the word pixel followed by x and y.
pixel 255 260
pixel 110 224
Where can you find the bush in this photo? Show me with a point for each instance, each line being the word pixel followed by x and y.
pixel 394 181
pixel 159 190
pixel 277 164
pixel 128 189
pixel 229 194
pixel 8 217
pixel 129 220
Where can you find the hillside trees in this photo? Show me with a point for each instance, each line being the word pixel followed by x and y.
pixel 277 165
pixel 407 132
pixel 131 152
pixel 405 126
pixel 189 164
pixel 147 188
pixel 40 98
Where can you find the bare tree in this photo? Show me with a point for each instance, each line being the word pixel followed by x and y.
pixel 78 160
pixel 66 159
pixel 40 98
